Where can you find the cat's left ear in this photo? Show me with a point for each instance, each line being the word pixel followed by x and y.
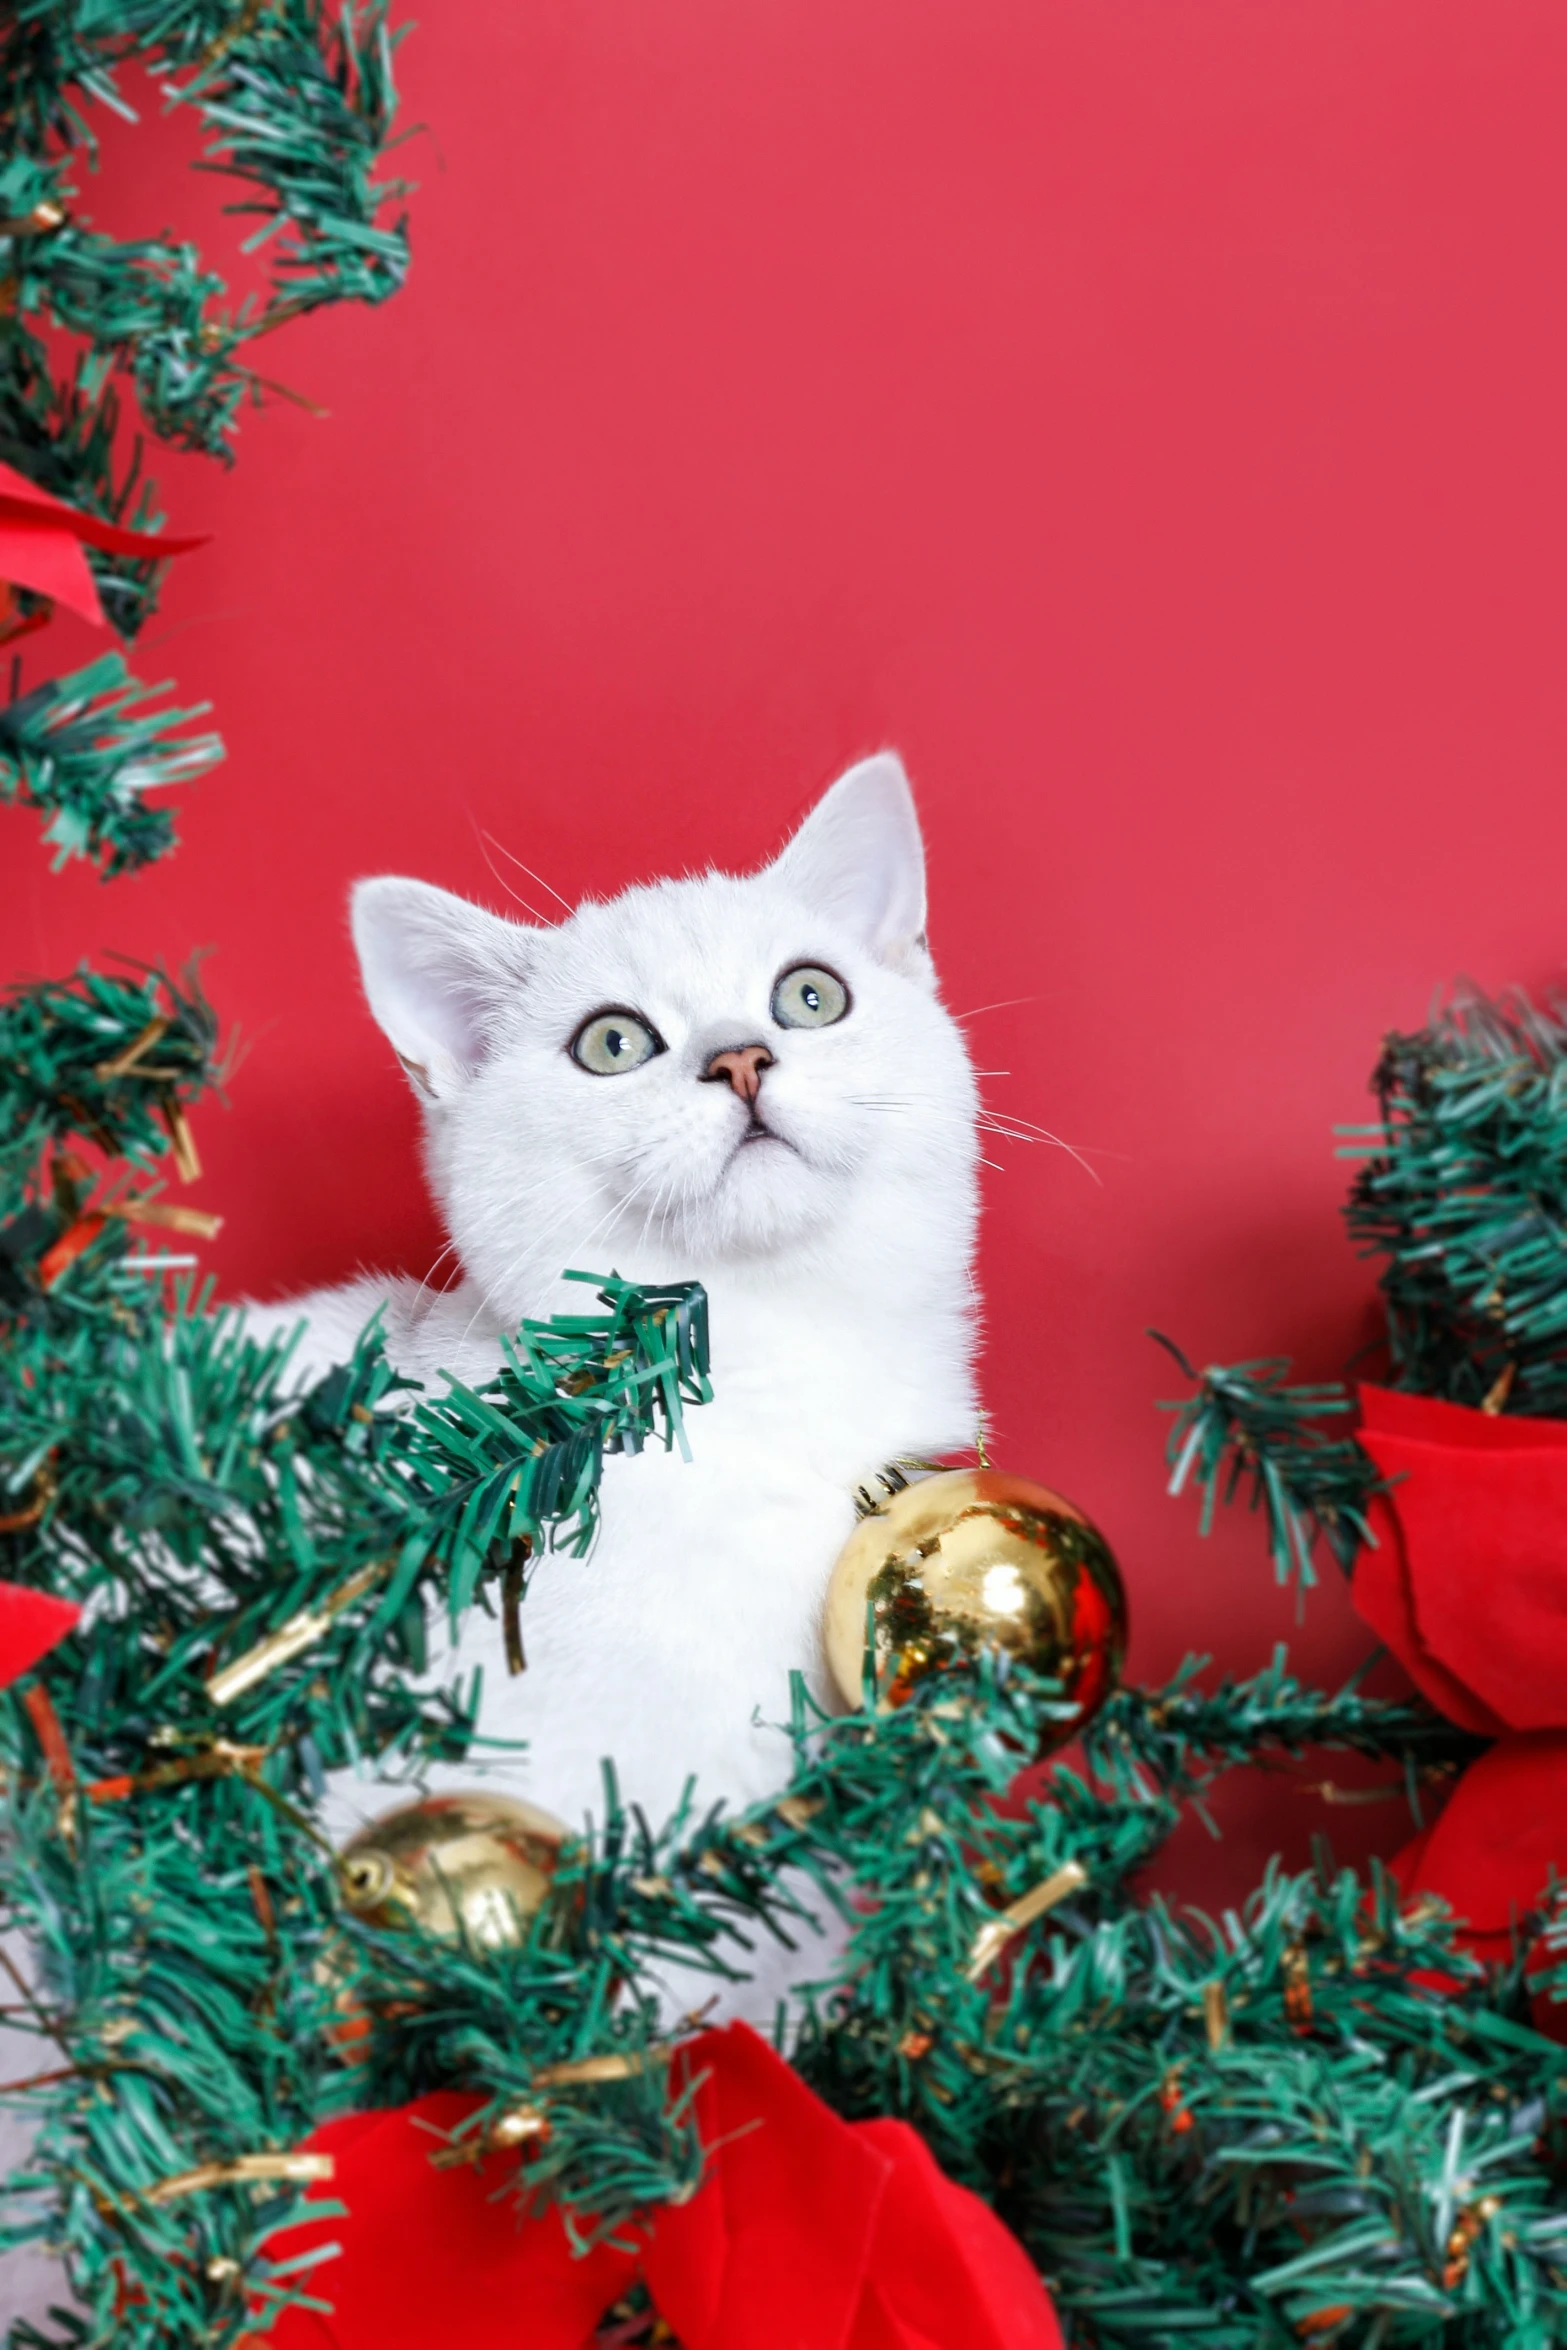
pixel 859 856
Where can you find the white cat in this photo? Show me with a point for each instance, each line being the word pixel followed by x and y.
pixel 747 1082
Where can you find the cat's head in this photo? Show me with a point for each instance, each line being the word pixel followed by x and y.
pixel 695 1072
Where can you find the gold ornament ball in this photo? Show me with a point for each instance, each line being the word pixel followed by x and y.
pixel 475 1864
pixel 973 1560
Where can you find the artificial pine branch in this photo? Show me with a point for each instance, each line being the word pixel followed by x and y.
pixel 180 1460
pixel 63 430
pixel 1184 1735
pixel 86 750
pixel 1105 2076
pixel 1247 1424
pixel 1464 1198
pixel 196 1500
pixel 1222 2133
pixel 99 1058
pixel 298 102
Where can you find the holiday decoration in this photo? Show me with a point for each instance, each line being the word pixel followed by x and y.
pixel 1326 2122
pixel 970 1561
pixel 1464 1584
pixel 807 2230
pixel 1448 1507
pixel 295 101
pixel 1464 1579
pixel 31 1622
pixel 476 1866
pixel 1461 1196
pixel 1247 1424
pixel 41 542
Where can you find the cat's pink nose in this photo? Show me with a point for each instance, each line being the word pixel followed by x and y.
pixel 743 1068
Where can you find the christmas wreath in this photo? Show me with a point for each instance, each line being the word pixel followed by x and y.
pixel 282 2090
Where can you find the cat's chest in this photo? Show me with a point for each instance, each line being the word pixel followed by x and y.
pixel 732 1546
pixel 740 1534
pixel 704 1587
pixel 827 1394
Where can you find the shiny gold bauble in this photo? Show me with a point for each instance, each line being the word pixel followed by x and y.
pixel 479 1865
pixel 973 1560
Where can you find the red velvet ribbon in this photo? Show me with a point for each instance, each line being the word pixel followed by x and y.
pixel 808 2233
pixel 31 1623
pixel 1468 1588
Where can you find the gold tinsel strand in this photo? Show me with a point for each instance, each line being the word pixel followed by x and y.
pixel 993 1938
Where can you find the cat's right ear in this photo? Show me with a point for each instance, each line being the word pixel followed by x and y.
pixel 858 855
pixel 437 973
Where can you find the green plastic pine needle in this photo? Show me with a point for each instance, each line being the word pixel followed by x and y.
pixel 298 103
pixel 1247 1424
pixel 1312 2120
pixel 98 1058
pixel 86 751
pixel 1464 1199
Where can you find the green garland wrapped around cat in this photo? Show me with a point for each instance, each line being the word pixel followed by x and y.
pixel 188 1955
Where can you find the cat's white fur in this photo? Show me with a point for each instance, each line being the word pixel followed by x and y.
pixel 836 1258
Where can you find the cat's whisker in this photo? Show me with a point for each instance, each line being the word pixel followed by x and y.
pixel 1007 1004
pixel 1023 1130
pixel 1010 1127
pixel 438 1260
pixel 423 1290
pixel 615 1209
pixel 1011 1118
pixel 537 1246
pixel 1028 1127
pixel 498 877
pixel 512 855
pixel 534 1245
pixel 658 1213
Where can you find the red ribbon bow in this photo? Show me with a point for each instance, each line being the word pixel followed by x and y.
pixel 41 540
pixel 808 2233
pixel 1468 1588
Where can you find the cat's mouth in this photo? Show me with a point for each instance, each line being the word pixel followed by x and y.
pixel 757 1131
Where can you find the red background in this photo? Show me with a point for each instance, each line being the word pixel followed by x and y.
pixel 1148 417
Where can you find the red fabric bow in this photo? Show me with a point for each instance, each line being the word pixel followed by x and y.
pixel 31 1622
pixel 1468 1588
pixel 808 2233
pixel 41 540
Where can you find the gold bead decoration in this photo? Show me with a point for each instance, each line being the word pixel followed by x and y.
pixel 973 1560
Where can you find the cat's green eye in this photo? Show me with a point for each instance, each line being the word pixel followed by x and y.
pixel 809 997
pixel 612 1042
